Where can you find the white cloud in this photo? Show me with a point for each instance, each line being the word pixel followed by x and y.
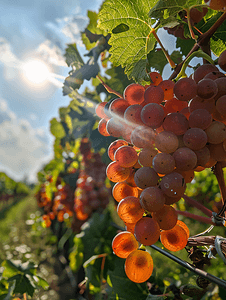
pixel 23 149
pixel 51 53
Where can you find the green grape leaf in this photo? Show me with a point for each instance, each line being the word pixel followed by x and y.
pixel 73 57
pixel 166 10
pixel 131 46
pixel 56 128
pixel 42 282
pixel 157 60
pixel 218 40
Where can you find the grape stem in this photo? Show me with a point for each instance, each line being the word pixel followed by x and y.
pixel 188 266
pixel 218 172
pixel 202 40
pixel 196 217
pixel 171 62
pixel 189 25
pixel 198 205
pixel 111 91
pixel 198 53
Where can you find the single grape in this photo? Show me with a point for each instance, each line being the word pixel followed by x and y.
pixel 124 243
pixel 174 105
pixel 166 141
pixel 203 156
pixel 152 115
pixel 173 185
pixel 195 138
pixel 174 239
pixel 166 217
pixel 200 118
pixel 122 190
pixel 134 93
pixel 139 266
pixel 185 159
pixel 146 156
pixel 132 115
pixel 130 210
pixel 163 163
pixel 145 177
pixel 99 110
pixel 153 94
pixel 117 173
pixel 216 132
pixel 184 226
pixel 185 89
pixel 156 77
pixel 152 199
pixel 207 88
pixel 188 175
pixel 126 156
pixel 114 127
pixel 147 231
pixel 199 103
pixel 118 107
pixel 221 105
pixel 176 122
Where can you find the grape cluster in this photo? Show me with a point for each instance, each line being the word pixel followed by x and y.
pixel 91 192
pixel 165 132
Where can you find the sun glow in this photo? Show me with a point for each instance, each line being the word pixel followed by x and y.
pixel 36 71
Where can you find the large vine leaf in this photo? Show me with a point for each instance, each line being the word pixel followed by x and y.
pixel 165 11
pixel 130 28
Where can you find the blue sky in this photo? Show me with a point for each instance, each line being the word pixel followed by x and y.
pixel 30 30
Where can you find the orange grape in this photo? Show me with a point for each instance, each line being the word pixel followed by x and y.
pixel 117 173
pixel 102 127
pixel 124 243
pixel 130 210
pixel 139 266
pixel 114 146
pixel 122 190
pixel 126 156
pixel 184 226
pixel 174 239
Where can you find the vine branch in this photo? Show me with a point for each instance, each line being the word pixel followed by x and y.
pixel 202 40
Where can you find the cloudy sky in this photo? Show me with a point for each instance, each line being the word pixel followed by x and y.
pixel 31 30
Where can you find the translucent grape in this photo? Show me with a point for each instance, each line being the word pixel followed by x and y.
pixel 167 86
pixel 147 231
pixel 124 243
pixel 126 156
pixel 184 226
pixel 145 177
pixel 134 93
pixel 156 77
pixel 139 266
pixel 152 199
pixel 102 127
pixel 122 190
pixel 174 105
pixel 114 146
pixel 130 210
pixel 118 107
pixel 100 110
pixel 188 175
pixel 116 173
pixel 114 127
pixel 174 239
